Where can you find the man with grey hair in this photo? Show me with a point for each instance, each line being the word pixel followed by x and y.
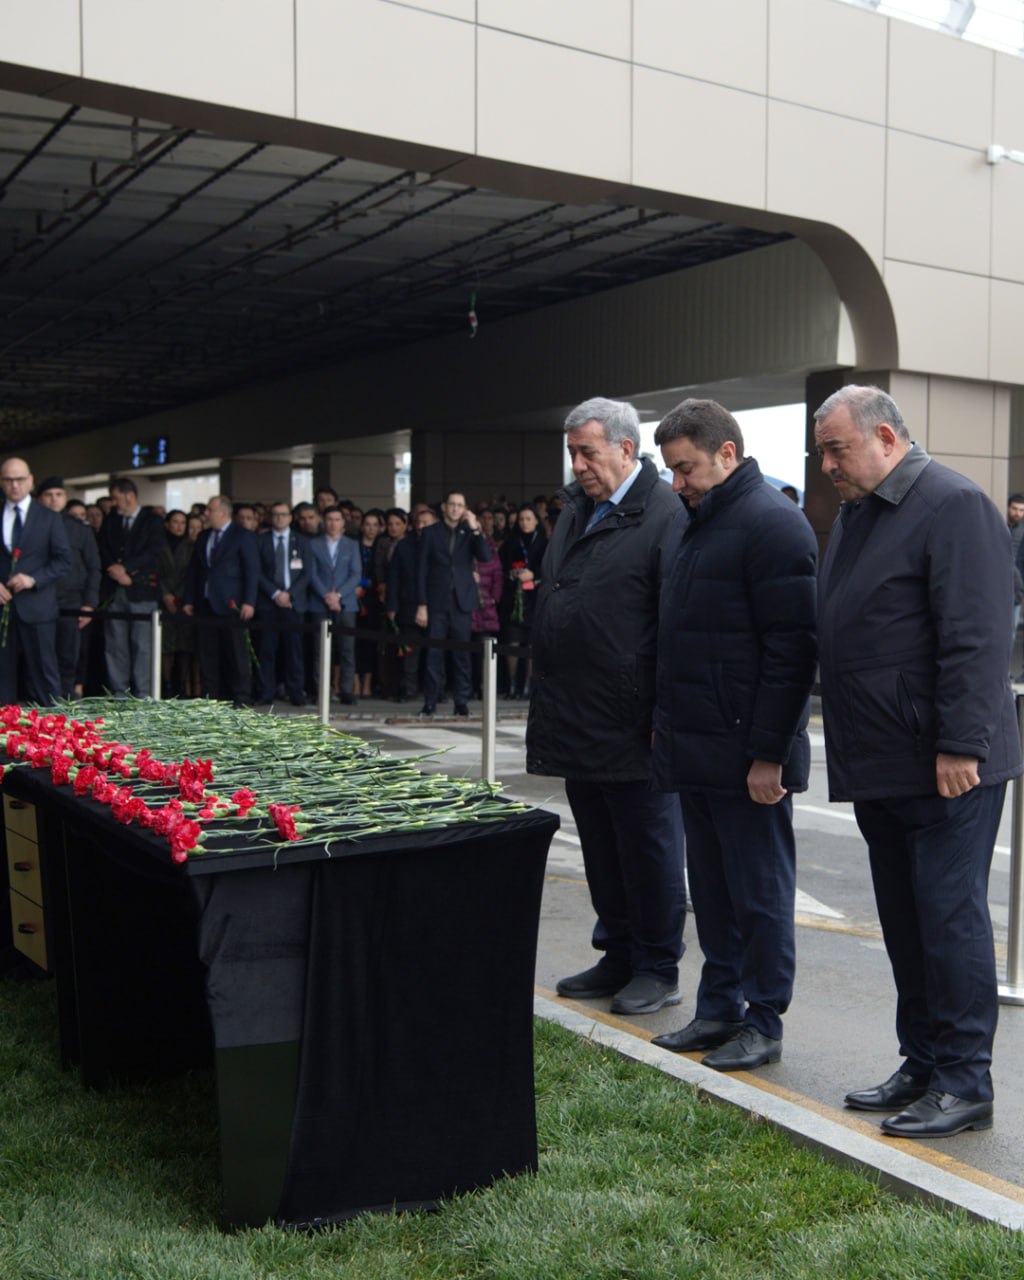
pixel 920 733
pixel 594 636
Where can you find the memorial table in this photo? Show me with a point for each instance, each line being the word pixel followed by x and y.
pixel 368 1013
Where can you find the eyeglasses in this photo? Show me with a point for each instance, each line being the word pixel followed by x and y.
pixel 15 479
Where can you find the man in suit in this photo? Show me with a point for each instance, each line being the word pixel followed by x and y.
pixel 34 556
pixel 130 543
pixel 283 584
pixel 447 595
pixel 79 588
pixel 916 603
pixel 335 570
pixel 221 587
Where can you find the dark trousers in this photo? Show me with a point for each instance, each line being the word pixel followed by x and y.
pixel 447 623
pixel 741 858
pixel 69 644
pixel 36 644
pixel 633 853
pixel 224 660
pixel 289 645
pixel 930 862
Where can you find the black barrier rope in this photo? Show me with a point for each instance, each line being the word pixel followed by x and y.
pixel 394 639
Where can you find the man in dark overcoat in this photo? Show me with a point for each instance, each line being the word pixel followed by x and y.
pixel 916 604
pixel 594 636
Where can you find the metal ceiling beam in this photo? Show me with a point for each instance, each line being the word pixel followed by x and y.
pixel 38 149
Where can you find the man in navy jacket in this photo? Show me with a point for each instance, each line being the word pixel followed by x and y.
pixel 916 603
pixel 736 659
pixel 221 583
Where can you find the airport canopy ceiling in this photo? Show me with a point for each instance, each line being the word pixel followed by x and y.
pixel 144 266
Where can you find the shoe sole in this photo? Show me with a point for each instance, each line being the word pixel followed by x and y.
pixel 704 1046
pixel 949 1133
pixel 769 1059
pixel 594 993
pixel 652 1007
pixel 889 1108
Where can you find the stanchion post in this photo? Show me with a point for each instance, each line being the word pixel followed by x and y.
pixel 156 655
pixel 1012 990
pixel 489 712
pixel 323 688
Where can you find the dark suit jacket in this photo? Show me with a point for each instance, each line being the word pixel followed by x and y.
pixel 343 576
pixel 232 575
pixel 403 575
pixel 298 549
pixel 45 556
pixel 440 570
pixel 138 550
pixel 81 584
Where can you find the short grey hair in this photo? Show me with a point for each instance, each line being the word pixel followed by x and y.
pixel 619 419
pixel 868 406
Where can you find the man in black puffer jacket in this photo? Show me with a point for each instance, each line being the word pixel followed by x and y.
pixel 594 635
pixel 736 658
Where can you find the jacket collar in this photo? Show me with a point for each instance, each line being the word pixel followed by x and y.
pixel 746 477
pixel 902 478
pixel 636 495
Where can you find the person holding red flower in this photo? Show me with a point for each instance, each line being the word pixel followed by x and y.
pixel 521 555
pixel 34 555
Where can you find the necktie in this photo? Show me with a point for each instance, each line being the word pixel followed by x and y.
pixel 213 542
pixel 16 528
pixel 279 558
pixel 600 511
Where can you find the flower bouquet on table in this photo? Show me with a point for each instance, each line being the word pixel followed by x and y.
pixel 273 781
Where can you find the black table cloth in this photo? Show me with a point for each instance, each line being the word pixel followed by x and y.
pixel 369 1013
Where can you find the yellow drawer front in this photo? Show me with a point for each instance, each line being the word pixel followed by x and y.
pixel 23 866
pixel 20 816
pixel 28 930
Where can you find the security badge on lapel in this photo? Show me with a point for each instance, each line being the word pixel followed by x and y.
pixel 295 564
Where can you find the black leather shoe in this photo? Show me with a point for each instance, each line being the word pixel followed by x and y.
pixel 646 993
pixel 701 1033
pixel 899 1091
pixel 428 709
pixel 747 1049
pixel 939 1115
pixel 461 709
pixel 602 980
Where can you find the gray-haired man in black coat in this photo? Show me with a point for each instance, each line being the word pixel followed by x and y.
pixel 916 602
pixel 594 635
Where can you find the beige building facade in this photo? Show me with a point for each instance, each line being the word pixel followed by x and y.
pixel 864 137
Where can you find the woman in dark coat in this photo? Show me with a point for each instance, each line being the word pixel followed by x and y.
pixel 521 555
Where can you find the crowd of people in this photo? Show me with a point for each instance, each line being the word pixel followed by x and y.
pixel 241 585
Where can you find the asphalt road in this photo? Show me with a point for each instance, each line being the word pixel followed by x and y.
pixel 839 1031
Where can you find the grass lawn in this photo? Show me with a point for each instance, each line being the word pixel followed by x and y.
pixel 638 1178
